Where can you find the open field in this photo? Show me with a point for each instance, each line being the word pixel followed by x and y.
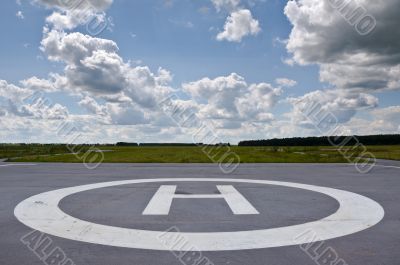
pixel 113 154
pixel 34 150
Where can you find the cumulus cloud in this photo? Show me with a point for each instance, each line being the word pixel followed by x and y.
pixel 13 92
pixel 54 82
pixel 23 102
pixel 71 48
pixel 113 92
pixel 97 5
pixel 257 102
pixel 230 101
pixel 240 22
pixel 93 65
pixel 238 25
pixel 354 64
pixel 285 82
pixel 40 111
pixel 348 60
pixel 67 15
pixel 377 121
pixel 389 118
pixel 91 105
pixel 389 113
pixel 20 15
pixel 225 4
pixel 338 106
pixel 69 20
pixel 126 114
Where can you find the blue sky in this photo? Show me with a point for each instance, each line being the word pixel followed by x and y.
pixel 230 82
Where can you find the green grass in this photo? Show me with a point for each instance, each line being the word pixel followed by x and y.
pixel 196 154
pixel 385 152
pixel 23 150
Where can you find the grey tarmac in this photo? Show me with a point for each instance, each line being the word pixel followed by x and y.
pixel 278 206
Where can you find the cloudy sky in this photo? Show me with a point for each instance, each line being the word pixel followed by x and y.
pixel 249 69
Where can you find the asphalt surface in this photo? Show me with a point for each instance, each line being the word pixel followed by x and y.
pixel 279 206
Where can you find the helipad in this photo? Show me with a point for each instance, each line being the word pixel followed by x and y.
pixel 41 212
pixel 152 214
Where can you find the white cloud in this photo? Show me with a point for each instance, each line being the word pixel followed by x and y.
pixel 120 99
pixel 256 104
pixel 389 113
pixel 240 22
pixel 67 15
pixel 285 82
pixel 73 47
pixel 91 105
pixel 97 5
pixel 380 121
pixel 340 105
pixel 64 20
pixel 228 5
pixel 223 87
pixel 389 118
pixel 55 82
pixel 20 15
pixel 22 102
pixel 238 25
pixel 348 60
pixel 13 92
pixel 126 114
pixel 93 65
pixel 230 101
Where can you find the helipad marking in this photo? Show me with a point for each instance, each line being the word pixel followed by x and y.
pixel 161 202
pixel 41 212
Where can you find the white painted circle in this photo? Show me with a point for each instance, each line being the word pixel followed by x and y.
pixel 41 212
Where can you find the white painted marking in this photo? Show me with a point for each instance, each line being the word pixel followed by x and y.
pixel 379 166
pixel 41 212
pixel 387 166
pixel 10 165
pixel 161 202
pixel 238 204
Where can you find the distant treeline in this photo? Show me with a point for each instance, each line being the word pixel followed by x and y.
pixel 49 145
pixel 166 144
pixel 153 144
pixel 31 145
pixel 393 139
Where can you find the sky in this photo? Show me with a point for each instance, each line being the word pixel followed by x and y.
pixel 101 71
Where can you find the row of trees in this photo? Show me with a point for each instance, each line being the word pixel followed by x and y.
pixel 393 139
pixel 153 144
pixel 167 144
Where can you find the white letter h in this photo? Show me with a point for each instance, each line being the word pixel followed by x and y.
pixel 161 202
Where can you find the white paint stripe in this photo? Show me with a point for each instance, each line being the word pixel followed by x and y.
pixel 387 166
pixel 161 202
pixel 355 213
pixel 198 196
pixel 236 201
pixel 11 165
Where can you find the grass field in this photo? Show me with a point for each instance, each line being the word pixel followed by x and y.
pixel 113 154
pixel 24 150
